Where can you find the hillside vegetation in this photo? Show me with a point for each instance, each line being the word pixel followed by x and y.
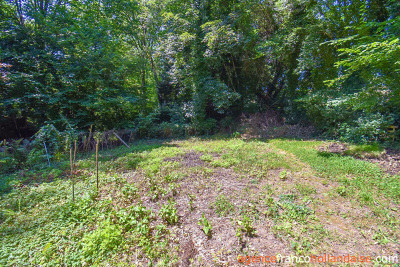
pixel 175 67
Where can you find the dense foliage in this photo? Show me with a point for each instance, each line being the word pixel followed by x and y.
pixel 170 66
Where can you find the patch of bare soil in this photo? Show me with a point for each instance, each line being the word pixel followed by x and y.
pixel 350 227
pixel 337 215
pixel 390 161
pixel 190 159
pixel 223 247
pixel 334 148
pixel 347 229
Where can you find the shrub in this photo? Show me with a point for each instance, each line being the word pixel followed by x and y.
pixel 166 121
pixel 228 124
pixel 206 126
pixel 351 117
pixel 53 138
pixel 366 129
pixel 14 160
pixel 261 124
pixel 36 156
pixel 271 125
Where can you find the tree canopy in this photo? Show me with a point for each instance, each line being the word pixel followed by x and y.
pixel 126 63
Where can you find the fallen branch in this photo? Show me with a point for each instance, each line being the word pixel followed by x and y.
pixel 121 140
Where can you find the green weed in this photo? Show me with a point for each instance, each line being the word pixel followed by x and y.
pixel 223 206
pixel 305 189
pixel 283 175
pixel 332 166
pixel 101 242
pixel 168 213
pixel 246 226
pixel 207 157
pixel 130 191
pixel 207 227
pixel 192 198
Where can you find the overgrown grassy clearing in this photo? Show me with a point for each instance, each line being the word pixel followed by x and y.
pixel 352 173
pixel 231 195
pixel 356 184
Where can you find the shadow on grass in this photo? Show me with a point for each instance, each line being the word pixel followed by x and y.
pixel 325 154
pixel 41 174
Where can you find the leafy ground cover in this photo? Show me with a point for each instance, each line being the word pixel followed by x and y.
pixel 200 202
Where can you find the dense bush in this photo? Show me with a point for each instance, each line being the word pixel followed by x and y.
pixel 343 118
pixel 165 122
pixel 366 129
pixel 48 144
